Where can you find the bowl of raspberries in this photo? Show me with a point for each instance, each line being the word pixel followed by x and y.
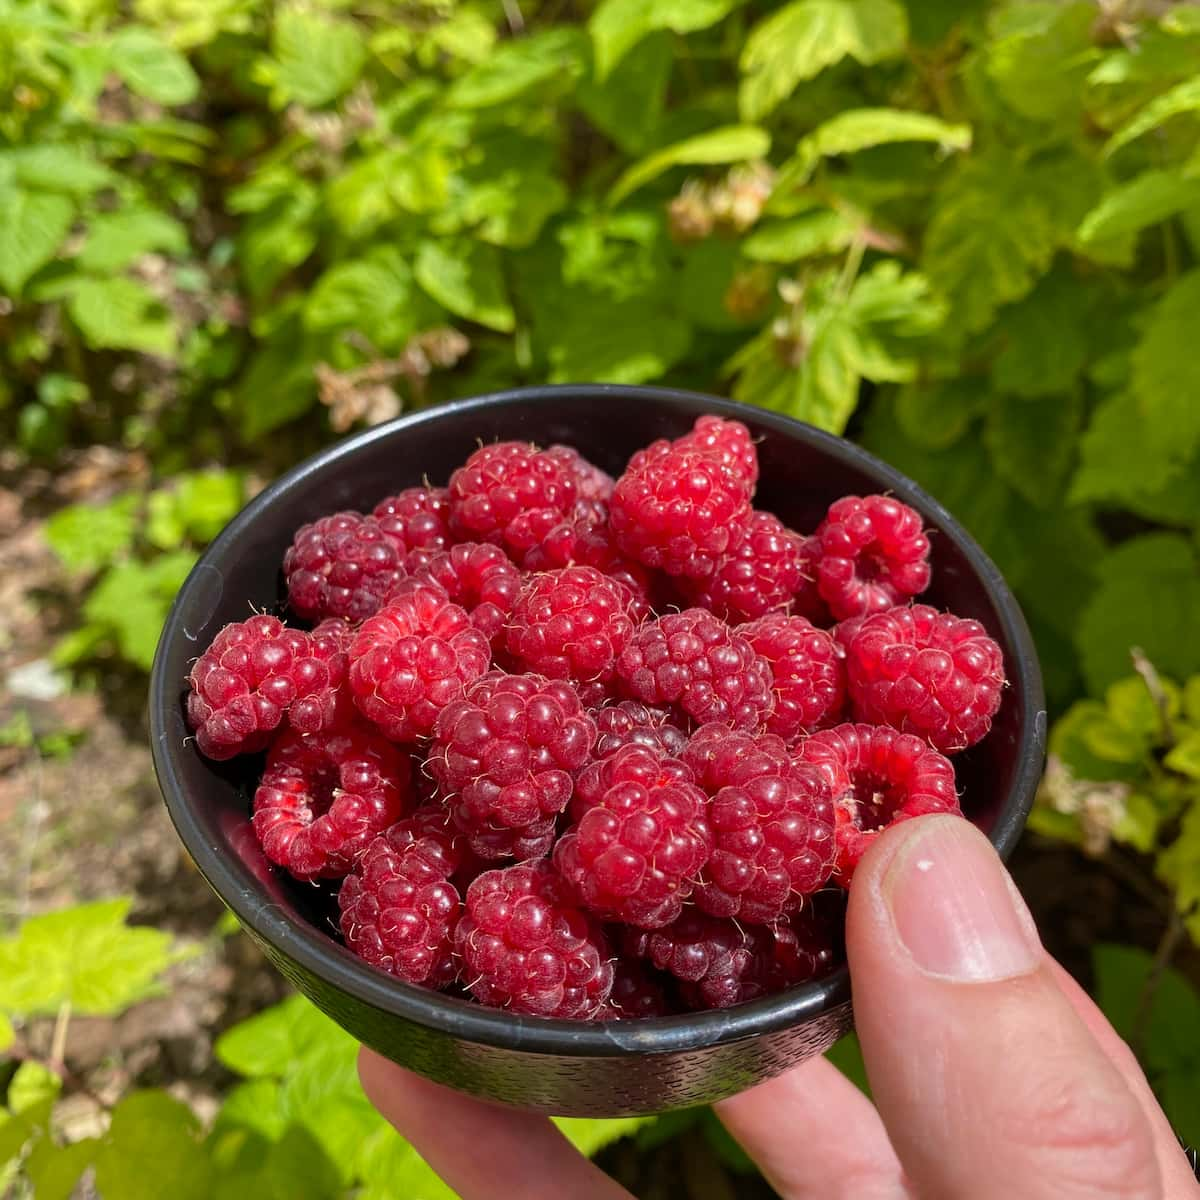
pixel 536 737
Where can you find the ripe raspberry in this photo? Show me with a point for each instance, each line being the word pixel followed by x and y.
pixel 873 554
pixel 570 623
pixel 730 441
pixel 714 753
pixel 640 845
pixel 323 698
pixel 512 495
pixel 476 576
pixel 678 510
pixel 926 672
pixel 761 573
pixel 635 993
pixel 878 776
pixel 505 756
pixel 340 566
pixel 594 485
pixel 399 907
pixel 413 658
pixel 628 723
pixel 417 518
pixel 807 602
pixel 807 671
pixel 694 661
pixel 323 797
pixel 526 948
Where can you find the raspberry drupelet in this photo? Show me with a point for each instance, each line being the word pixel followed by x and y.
pixel 323 695
pixel 873 554
pixel 730 441
pixel 526 947
pixel 417 518
pixel 340 566
pixel 323 797
pixel 399 906
pixel 926 672
pixel 505 758
pixel 594 485
pixel 877 776
pixel 627 722
pixel 635 993
pixel 478 577
pixel 413 658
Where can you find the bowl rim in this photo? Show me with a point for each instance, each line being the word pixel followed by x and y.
pixel 291 937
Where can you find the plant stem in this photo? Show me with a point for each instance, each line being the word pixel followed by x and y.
pixel 58 1043
pixel 854 257
pixel 1167 945
pixel 1145 668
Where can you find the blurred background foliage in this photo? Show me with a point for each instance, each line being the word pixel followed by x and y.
pixel 965 233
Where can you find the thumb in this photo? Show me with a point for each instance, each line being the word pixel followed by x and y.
pixel 989 1083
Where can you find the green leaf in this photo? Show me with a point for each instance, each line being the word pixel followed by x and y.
pixel 84 956
pixel 277 238
pixel 1183 97
pixel 618 25
pixel 275 1040
pixel 390 1168
pixel 57 167
pixel 6 1033
pixel 807 36
pixel 632 342
pixel 54 1170
pixel 121 313
pixel 1032 443
pixel 627 104
pixel 299 1168
pixel 1118 458
pixel 861 128
pixel 115 239
pixel 729 144
pixel 373 295
pixel 1185 756
pixel 152 1149
pixel 86 537
pixel 207 500
pixel 590 1136
pixel 1146 200
pixel 466 277
pixel 315 58
pixel 278 385
pixel 516 67
pixel 805 236
pixel 151 68
pixel 31 1086
pixel 1148 594
pixel 33 227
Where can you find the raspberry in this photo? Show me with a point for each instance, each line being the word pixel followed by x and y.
pixel 323 700
pixel 340 566
pixel 512 495
pixel 399 907
pixel 593 484
pixel 635 993
pixel 678 510
pixel 926 672
pixel 323 797
pixel 628 723
pixel 878 776
pixel 417 518
pixel 505 756
pixel 641 843
pixel 526 948
pixel 254 674
pixel 807 672
pixel 569 624
pixel 873 554
pixel 762 572
pixel 695 661
pixel 730 441
pixel 413 658
pixel 476 576
pixel 714 753
pixel 807 602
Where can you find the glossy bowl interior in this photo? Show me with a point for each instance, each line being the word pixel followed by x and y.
pixel 557 1067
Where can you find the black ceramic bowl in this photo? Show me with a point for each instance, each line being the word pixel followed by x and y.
pixel 554 1066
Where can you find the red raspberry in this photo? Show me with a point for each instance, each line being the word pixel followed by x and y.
pixel 569 624
pixel 807 600
pixel 926 672
pixel 476 576
pixel 526 948
pixel 628 723
pixel 807 670
pixel 594 485
pixel 696 662
pixel 730 441
pixel 413 658
pixel 762 572
pixel 323 700
pixel 678 510
pixel 878 776
pixel 254 674
pixel 417 518
pixel 635 993
pixel 323 797
pixel 512 495
pixel 873 554
pixel 399 907
pixel 340 566
pixel 640 845
pixel 505 756
pixel 715 752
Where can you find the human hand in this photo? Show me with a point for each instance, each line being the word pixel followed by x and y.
pixel 995 1077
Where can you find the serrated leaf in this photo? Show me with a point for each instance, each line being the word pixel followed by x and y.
pixel 57 167
pixel 278 384
pixel 278 1039
pixel 518 66
pixel 152 68
pixel 1148 594
pixel 729 144
pixel 278 237
pixel 206 501
pixel 1045 337
pixel 122 314
pixel 152 1149
pixel 861 128
pixel 632 342
pixel 390 1167
pixel 1185 756
pixel 373 295
pixel 627 104
pixel 591 1135
pixel 1118 460
pixel 316 57
pixel 805 37
pixel 84 956
pixel 1032 443
pixel 805 236
pixel 466 277
pixel 86 537
pixel 1183 97
pixel 619 25
pixel 32 227
pixel 1151 197
pixel 935 414
pixel 115 239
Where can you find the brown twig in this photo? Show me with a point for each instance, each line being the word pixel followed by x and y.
pixel 1172 935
